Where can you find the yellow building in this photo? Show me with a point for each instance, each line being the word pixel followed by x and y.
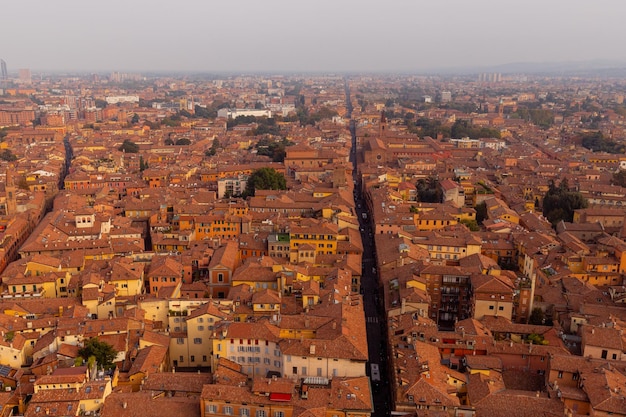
pixel 44 286
pixel 321 236
pixel 197 349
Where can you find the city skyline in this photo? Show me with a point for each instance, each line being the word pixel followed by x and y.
pixel 278 35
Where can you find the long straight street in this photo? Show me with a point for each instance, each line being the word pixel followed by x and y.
pixel 370 289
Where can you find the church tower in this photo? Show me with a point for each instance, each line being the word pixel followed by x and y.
pixel 9 188
pixel 383 125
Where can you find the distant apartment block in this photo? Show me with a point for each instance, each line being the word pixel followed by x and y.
pixel 231 186
pixel 234 113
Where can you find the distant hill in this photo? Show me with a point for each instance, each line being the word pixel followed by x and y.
pixel 606 68
pixel 561 67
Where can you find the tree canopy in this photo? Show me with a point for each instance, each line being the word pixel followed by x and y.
pixel 129 146
pixel 275 149
pixel 541 117
pixel 619 178
pixel 103 352
pixel 536 316
pixel 559 203
pixel 7 155
pixel 213 149
pixel 596 142
pixel 428 191
pixel 183 141
pixel 481 212
pixel 462 129
pixel 265 179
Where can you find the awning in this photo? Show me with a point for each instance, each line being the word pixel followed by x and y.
pixel 277 396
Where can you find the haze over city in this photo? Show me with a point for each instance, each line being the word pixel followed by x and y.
pixel 281 35
pixel 312 208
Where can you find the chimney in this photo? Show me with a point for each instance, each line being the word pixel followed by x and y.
pixel 124 405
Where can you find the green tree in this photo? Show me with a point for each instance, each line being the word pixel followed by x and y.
pixel 7 155
pixel 598 143
pixel 619 178
pixel 427 127
pixel 143 165
pixel 536 339
pixel 129 146
pixel 273 148
pixel 481 212
pixel 152 125
pixel 135 119
pixel 213 149
pixel 183 141
pixel 428 190
pixel 462 128
pixel 264 179
pixel 541 117
pixel 536 316
pixel 202 112
pixel 103 352
pixel 559 203
pixel 471 224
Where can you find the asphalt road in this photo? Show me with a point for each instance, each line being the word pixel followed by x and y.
pixel 372 297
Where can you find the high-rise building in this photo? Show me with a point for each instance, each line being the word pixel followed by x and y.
pixel 4 74
pixel 24 75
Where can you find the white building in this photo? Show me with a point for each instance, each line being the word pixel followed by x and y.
pixel 234 113
pixel 122 99
pixel 233 186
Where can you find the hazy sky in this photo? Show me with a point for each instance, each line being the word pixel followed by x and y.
pixel 305 35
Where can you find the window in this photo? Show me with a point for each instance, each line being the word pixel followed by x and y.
pixel 180 341
pixel 279 414
pixel 228 410
pixel 244 412
pixel 500 308
pixel 197 340
pixel 193 358
pixel 560 374
pixel 260 413
pixel 220 277
pixel 200 328
pixel 491 307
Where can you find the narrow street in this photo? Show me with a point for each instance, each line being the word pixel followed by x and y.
pixel 372 302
